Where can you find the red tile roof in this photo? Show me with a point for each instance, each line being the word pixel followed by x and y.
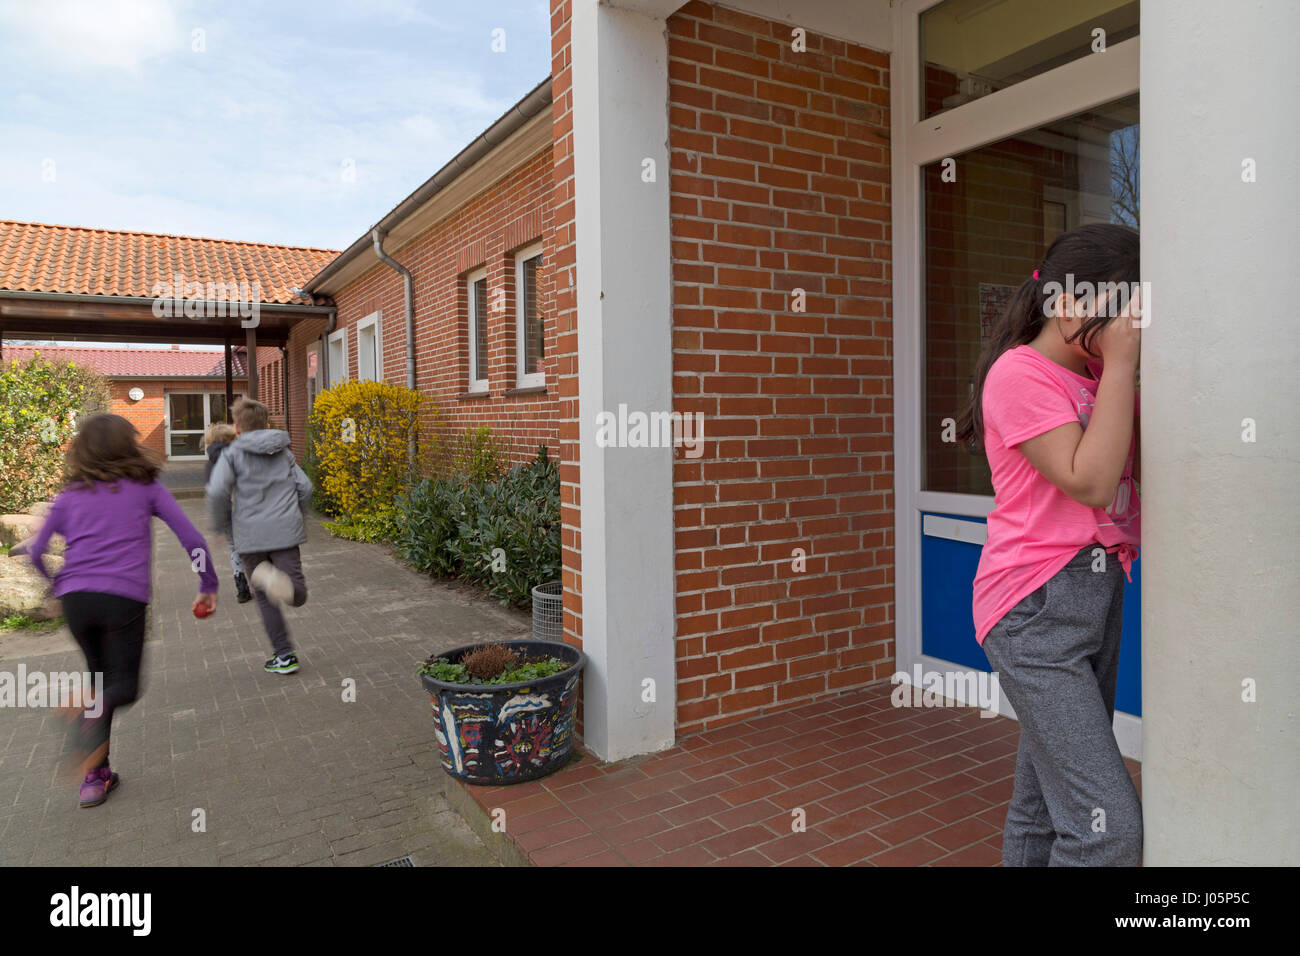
pixel 133 362
pixel 35 257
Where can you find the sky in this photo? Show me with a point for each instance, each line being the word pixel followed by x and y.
pixel 294 123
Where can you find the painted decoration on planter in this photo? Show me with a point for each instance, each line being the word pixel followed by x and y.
pixel 534 730
pixel 520 740
pixel 462 720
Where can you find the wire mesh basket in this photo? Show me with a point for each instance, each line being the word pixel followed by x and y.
pixel 548 612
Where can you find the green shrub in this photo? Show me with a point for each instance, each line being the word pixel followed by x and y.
pixel 320 499
pixel 426 521
pixel 475 455
pixel 39 404
pixel 378 525
pixel 502 535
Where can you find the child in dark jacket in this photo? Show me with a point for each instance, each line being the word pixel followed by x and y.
pixel 104 514
pixel 265 520
pixel 215 441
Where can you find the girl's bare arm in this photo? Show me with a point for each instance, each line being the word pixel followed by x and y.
pixel 1087 464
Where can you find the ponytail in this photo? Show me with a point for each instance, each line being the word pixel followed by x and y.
pixel 1019 324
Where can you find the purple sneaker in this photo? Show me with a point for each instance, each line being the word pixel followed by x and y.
pixel 98 783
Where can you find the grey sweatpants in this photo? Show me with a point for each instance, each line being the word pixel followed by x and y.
pixel 1056 654
pixel 289 561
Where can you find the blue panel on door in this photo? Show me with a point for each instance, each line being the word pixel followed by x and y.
pixel 948 632
pixel 947 577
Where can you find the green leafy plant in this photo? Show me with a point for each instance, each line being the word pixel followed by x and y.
pixel 21 622
pixel 475 456
pixel 426 520
pixel 502 535
pixel 456 673
pixel 40 402
pixel 378 525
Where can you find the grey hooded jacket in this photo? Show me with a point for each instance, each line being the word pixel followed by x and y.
pixel 270 493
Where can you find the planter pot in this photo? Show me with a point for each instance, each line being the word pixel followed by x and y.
pixel 491 734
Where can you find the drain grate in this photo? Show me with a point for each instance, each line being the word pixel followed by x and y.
pixel 401 861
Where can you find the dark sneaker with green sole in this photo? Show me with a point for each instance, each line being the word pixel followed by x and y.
pixel 286 664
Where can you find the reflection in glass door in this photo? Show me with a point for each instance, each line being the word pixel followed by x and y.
pixel 985 233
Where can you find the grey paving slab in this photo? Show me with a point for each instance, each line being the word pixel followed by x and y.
pixel 285 770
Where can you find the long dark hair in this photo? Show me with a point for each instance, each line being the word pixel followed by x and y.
pixel 105 449
pixel 1097 253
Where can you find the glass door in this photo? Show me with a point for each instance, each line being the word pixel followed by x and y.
pixel 186 421
pixel 1012 121
pixel 188 416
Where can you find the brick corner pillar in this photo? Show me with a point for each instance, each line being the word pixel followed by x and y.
pixel 624 344
pixel 1220 576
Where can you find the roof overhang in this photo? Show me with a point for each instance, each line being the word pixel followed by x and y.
pixel 523 132
pixel 66 317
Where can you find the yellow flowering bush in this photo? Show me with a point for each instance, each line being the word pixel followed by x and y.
pixel 360 437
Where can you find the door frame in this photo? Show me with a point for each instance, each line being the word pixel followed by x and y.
pixel 1064 91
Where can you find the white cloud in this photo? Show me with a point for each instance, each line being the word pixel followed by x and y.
pixel 74 35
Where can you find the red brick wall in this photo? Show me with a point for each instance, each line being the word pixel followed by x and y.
pixel 270 383
pixel 780 180
pixel 300 336
pixel 486 232
pixel 564 279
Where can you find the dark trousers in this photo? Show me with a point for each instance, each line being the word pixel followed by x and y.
pixel 1057 657
pixel 110 631
pixel 289 561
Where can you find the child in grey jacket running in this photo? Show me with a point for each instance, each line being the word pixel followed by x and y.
pixel 271 494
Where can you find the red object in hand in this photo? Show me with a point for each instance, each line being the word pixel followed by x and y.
pixel 202 610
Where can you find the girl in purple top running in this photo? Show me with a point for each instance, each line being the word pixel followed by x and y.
pixel 104 513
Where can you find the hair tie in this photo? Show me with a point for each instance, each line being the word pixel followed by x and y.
pixel 1035 274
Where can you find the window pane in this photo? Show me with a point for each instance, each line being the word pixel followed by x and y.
pixel 480 330
pixel 986 232
pixel 187 412
pixel 366 358
pixel 534 332
pixel 185 445
pixel 338 366
pixel 219 405
pixel 971 48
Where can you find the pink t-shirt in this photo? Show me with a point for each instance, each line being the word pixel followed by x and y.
pixel 1035 528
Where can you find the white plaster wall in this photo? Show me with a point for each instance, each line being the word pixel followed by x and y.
pixel 1221 522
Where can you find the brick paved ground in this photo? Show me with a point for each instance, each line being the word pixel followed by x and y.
pixel 285 770
pixel 878 786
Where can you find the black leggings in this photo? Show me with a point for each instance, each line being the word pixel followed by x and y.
pixel 110 629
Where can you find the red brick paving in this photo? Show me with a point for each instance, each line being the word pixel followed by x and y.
pixel 878 786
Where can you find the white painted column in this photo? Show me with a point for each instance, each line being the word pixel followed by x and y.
pixel 624 298
pixel 1221 522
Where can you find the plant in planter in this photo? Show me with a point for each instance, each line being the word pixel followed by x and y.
pixel 504 711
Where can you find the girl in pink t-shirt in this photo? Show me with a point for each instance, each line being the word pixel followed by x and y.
pixel 1055 409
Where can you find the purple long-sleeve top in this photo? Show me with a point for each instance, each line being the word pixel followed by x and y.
pixel 109 541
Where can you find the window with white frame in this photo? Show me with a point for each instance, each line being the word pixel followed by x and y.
pixel 530 334
pixel 476 292
pixel 370 363
pixel 337 343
